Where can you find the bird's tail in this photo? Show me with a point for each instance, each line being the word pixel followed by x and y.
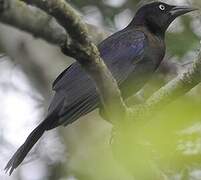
pixel 21 153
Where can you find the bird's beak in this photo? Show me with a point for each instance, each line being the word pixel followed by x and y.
pixel 180 10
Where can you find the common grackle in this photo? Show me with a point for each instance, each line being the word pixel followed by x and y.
pixel 132 55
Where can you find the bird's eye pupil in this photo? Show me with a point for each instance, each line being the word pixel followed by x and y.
pixel 162 7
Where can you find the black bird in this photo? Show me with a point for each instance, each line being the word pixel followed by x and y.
pixel 132 55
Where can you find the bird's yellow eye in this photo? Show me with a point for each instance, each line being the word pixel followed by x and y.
pixel 161 7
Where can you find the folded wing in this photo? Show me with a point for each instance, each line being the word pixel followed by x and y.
pixel 76 90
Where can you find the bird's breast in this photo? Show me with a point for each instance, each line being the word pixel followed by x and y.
pixel 155 50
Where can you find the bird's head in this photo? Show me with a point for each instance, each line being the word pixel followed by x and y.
pixel 157 16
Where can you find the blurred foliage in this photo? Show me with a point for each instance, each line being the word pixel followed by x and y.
pixel 180 43
pixel 108 11
pixel 164 145
pixel 168 142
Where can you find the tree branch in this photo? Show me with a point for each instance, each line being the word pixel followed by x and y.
pixel 36 22
pixel 86 53
pixel 32 20
pixel 174 89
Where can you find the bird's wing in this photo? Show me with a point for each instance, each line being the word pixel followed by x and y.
pixel 121 52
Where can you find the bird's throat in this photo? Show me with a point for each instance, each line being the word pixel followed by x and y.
pixel 155 29
pixel 141 22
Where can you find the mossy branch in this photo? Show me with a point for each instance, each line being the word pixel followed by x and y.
pixel 31 20
pixel 86 53
pixel 36 22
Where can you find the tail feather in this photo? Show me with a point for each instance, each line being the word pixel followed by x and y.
pixel 49 123
pixel 21 153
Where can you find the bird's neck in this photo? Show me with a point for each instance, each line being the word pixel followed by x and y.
pixel 153 28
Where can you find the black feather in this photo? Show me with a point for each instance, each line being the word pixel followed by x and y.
pixel 21 153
